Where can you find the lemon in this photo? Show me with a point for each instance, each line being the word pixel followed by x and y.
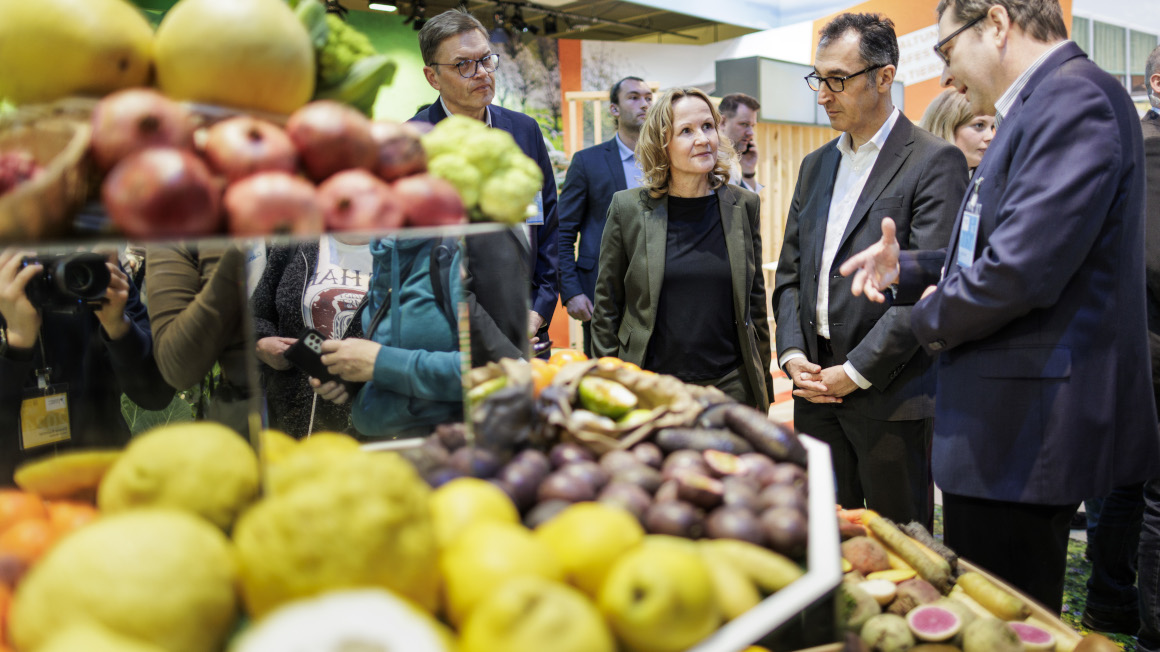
pixel 362 521
pixel 465 501
pixel 54 48
pixel 250 54
pixel 588 538
pixel 275 446
pixel 531 614
pixel 660 598
pixel 162 576
pixel 309 459
pixel 203 467
pixel 486 555
pixel 91 637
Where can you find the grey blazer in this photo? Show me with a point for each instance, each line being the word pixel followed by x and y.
pixel 632 268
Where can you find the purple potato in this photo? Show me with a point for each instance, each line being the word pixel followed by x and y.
pixel 476 462
pixel 563 487
pixel 786 473
pixel 756 463
pixel 628 496
pixel 645 477
pixel 544 512
pixel 649 453
pixel 739 492
pixel 569 453
pixel 617 460
pixel 675 518
pixel 667 492
pixel 453 436
pixel 781 495
pixel 786 531
pixel 590 472
pixel 734 523
pixel 684 459
pixel 534 459
pixel 442 475
pixel 723 464
pixel 698 489
pixel 524 480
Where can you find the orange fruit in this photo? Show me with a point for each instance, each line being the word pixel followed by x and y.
pixel 562 357
pixel 17 506
pixel 542 375
pixel 28 539
pixel 66 515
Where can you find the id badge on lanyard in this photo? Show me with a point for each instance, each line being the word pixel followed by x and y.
pixel 969 231
pixel 44 413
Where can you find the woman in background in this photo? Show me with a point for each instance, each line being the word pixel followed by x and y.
pixel 950 117
pixel 680 289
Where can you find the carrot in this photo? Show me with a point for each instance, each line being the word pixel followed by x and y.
pixel 993 598
pixel 938 573
pixel 852 515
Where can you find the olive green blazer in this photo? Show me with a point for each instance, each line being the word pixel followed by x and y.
pixel 632 268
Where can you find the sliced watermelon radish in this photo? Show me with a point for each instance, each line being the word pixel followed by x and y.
pixel 932 623
pixel 1033 636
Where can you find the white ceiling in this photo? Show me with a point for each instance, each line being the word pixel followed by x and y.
pixel 756 14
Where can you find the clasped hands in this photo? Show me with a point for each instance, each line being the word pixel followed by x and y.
pixel 818 385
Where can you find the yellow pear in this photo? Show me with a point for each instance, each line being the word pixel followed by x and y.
pixel 466 501
pixel 588 538
pixel 54 48
pixel 250 54
pixel 531 614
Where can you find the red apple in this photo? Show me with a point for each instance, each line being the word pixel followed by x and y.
pixel 356 200
pixel 273 202
pixel 244 145
pixel 429 201
pixel 331 137
pixel 136 118
pixel 163 192
pixel 400 152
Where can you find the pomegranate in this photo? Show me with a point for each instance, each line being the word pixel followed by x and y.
pixel 429 201
pixel 331 137
pixel 400 152
pixel 356 200
pixel 135 118
pixel 244 145
pixel 163 192
pixel 273 202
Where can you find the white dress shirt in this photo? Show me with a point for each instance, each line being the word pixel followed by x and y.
pixel 1007 99
pixel 853 172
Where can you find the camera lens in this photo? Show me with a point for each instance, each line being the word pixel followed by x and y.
pixel 78 279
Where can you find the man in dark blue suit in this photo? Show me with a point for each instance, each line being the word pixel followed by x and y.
pixel 594 175
pixel 1038 316
pixel 460 65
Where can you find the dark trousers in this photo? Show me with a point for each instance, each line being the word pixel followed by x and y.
pixel 586 328
pixel 1113 544
pixel 735 385
pixel 884 465
pixel 1026 545
pixel 1149 570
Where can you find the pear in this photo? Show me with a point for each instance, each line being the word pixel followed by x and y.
pixel 55 48
pixel 248 54
pixel 530 614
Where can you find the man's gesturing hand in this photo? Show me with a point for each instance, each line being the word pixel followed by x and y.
pixel 876 266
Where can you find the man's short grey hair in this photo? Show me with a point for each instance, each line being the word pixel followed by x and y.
pixel 877 42
pixel 442 27
pixel 1041 19
pixel 1151 67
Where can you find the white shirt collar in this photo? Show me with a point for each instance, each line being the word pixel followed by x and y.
pixel 625 152
pixel 486 111
pixel 1007 99
pixel 877 141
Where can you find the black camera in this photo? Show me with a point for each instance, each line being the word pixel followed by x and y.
pixel 68 282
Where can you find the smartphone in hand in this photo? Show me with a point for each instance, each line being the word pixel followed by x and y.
pixel 306 355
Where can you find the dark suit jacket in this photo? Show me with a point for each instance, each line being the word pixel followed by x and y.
pixel 1150 123
pixel 917 181
pixel 594 175
pixel 1044 387
pixel 632 268
pixel 527 134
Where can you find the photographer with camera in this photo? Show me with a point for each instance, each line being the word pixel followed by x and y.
pixel 74 335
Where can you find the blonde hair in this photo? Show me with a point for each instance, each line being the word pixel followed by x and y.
pixel 946 113
pixel 652 147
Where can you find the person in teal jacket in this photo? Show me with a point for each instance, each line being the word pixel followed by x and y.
pixel 410 359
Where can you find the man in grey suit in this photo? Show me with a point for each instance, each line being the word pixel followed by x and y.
pixel 862 384
pixel 594 175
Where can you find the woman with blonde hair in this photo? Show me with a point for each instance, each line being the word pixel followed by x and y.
pixel 950 117
pixel 679 289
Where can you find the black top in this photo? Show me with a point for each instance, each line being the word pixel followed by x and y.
pixel 694 337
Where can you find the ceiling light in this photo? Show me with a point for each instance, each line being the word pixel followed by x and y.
pixel 383 6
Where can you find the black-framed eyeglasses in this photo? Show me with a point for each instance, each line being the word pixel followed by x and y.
pixel 469 68
pixel 938 47
pixel 835 84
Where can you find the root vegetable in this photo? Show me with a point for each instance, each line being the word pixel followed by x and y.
pixel 1004 605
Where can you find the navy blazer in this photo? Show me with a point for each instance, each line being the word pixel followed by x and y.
pixel 528 136
pixel 1044 384
pixel 917 181
pixel 594 175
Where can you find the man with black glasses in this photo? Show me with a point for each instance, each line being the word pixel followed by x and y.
pixel 1037 307
pixel 460 65
pixel 861 383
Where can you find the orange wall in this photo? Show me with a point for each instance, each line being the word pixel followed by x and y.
pixel 571 64
pixel 908 16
